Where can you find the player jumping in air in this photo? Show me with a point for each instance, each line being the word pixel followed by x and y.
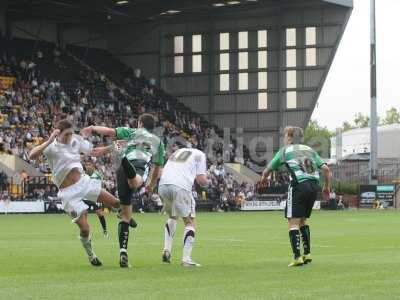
pixel 303 164
pixel 142 150
pixel 175 189
pixel 62 150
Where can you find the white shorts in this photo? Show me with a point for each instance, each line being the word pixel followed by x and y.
pixel 177 201
pixel 72 197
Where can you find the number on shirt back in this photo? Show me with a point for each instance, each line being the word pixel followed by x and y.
pixel 306 165
pixel 181 156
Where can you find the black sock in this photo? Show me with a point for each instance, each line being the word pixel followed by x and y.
pixel 305 235
pixel 103 222
pixel 129 169
pixel 132 223
pixel 294 236
pixel 123 233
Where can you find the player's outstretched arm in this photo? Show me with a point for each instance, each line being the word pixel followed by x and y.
pixel 265 175
pixel 99 151
pixel 154 176
pixel 38 150
pixel 88 131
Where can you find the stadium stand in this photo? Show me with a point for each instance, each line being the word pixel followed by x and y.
pixel 40 81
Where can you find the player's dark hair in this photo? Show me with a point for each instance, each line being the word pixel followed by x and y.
pixel 148 121
pixel 296 133
pixel 63 125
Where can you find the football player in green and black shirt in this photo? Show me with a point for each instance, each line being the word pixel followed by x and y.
pixel 304 165
pixel 90 169
pixel 140 150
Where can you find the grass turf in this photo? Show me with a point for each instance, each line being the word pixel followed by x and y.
pixel 244 256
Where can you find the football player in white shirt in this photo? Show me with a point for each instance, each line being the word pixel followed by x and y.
pixel 175 189
pixel 62 150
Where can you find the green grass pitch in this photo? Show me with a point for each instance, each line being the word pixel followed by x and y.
pixel 244 256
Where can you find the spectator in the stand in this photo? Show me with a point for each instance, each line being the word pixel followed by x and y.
pixel 39 54
pixel 332 195
pixel 224 201
pixel 240 199
pixel 3 181
pixel 340 204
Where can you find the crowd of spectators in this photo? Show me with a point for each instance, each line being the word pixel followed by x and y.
pixel 33 103
pixel 225 191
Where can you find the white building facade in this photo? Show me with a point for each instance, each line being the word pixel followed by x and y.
pixel 357 141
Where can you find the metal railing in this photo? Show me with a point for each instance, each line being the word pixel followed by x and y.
pixel 358 172
pixel 26 186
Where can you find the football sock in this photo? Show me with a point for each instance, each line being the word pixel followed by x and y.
pixel 294 236
pixel 169 232
pixel 123 233
pixel 132 223
pixel 129 169
pixel 305 235
pixel 87 245
pixel 103 222
pixel 188 241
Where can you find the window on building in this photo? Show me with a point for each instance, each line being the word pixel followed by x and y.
pixel 291 79
pixel 196 43
pixel 290 37
pixel 262 59
pixel 311 36
pixel 311 57
pixel 243 60
pixel 243 40
pixel 224 82
pixel 291 58
pixel 178 64
pixel 196 63
pixel 262 101
pixel 224 61
pixel 224 41
pixel 262 38
pixel 291 99
pixel 262 80
pixel 178 44
pixel 243 81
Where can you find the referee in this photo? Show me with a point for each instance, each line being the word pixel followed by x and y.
pixel 304 165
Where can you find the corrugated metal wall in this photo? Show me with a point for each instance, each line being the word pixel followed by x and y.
pixel 154 52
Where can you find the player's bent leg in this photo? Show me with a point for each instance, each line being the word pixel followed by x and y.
pixel 169 232
pixel 133 178
pixel 306 238
pixel 136 182
pixel 108 200
pixel 294 237
pixel 123 234
pixel 188 242
pixel 86 239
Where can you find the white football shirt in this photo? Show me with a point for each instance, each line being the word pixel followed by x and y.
pixel 63 158
pixel 182 168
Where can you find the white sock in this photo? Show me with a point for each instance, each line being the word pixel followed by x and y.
pixel 87 245
pixel 188 241
pixel 169 232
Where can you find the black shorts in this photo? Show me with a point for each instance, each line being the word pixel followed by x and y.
pixel 125 193
pixel 92 205
pixel 301 199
